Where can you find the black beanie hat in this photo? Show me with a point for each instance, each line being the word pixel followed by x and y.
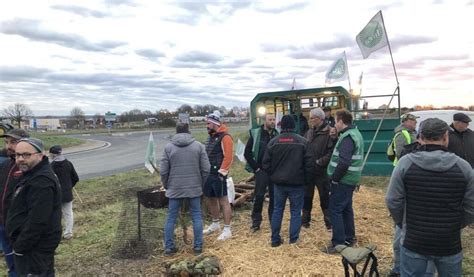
pixel 288 123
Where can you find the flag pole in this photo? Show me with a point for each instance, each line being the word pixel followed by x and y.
pixel 393 64
pixel 347 68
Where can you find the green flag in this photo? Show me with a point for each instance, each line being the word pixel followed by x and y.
pixel 373 36
pixel 150 158
pixel 239 151
pixel 338 69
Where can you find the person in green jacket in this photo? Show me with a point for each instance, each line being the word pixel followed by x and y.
pixel 344 172
pixel 254 151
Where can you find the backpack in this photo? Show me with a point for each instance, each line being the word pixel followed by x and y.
pixel 391 150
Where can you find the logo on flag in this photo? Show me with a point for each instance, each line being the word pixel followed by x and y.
pixel 373 36
pixel 150 157
pixel 338 69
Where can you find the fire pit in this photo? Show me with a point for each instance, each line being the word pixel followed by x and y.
pixel 152 198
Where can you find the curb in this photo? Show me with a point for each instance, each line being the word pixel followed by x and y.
pixel 96 145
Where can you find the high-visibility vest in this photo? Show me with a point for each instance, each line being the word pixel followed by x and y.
pixel 352 176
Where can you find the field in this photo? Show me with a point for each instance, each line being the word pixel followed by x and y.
pixel 106 231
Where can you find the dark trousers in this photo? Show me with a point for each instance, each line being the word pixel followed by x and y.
pixel 7 250
pixel 262 181
pixel 295 194
pixel 322 184
pixel 342 214
pixel 35 263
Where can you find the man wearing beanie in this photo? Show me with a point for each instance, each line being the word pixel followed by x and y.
pixel 288 163
pixel 33 222
pixel 431 198
pixel 219 148
pixel 9 176
pixel 68 178
pixel 344 171
pixel 461 138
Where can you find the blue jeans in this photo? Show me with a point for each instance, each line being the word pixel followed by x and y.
pixel 6 250
pixel 413 264
pixel 296 196
pixel 342 214
pixel 173 211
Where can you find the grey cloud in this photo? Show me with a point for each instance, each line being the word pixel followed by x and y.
pixel 30 29
pixel 341 41
pixel 151 54
pixel 281 9
pixel 195 10
pixel 121 2
pixel 21 73
pixel 406 40
pixel 198 56
pixel 79 11
pixel 268 47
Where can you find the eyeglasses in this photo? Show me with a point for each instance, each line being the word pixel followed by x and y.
pixel 25 155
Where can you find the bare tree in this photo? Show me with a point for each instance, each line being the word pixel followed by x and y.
pixel 17 113
pixel 78 116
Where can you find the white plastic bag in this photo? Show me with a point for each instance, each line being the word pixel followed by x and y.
pixel 230 190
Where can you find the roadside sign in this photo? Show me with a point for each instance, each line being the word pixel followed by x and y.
pixel 110 116
pixel 108 125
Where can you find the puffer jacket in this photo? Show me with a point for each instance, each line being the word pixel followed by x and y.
pixel 184 167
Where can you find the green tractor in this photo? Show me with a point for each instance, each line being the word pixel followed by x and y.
pixel 300 102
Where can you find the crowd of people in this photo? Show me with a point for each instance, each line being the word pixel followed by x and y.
pixel 430 195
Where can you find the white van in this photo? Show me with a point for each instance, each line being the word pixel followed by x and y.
pixel 445 115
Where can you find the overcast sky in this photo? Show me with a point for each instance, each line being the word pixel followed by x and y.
pixel 116 55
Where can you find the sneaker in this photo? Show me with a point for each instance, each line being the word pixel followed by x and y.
pixel 351 242
pixel 211 228
pixel 394 274
pixel 276 244
pixel 226 234
pixel 170 252
pixel 305 224
pixel 67 236
pixel 197 251
pixel 329 249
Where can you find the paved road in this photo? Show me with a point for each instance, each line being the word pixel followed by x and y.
pixel 125 152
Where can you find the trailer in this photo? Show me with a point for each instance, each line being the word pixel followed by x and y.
pixel 300 102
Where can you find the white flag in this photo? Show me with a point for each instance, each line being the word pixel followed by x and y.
pixel 338 69
pixel 239 151
pixel 150 158
pixel 373 36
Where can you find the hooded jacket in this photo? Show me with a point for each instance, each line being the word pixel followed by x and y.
pixel 67 176
pixel 34 217
pixel 431 196
pixel 184 167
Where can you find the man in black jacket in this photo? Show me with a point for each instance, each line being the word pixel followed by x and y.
pixel 461 138
pixel 33 221
pixel 254 151
pixel 68 178
pixel 431 198
pixel 288 162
